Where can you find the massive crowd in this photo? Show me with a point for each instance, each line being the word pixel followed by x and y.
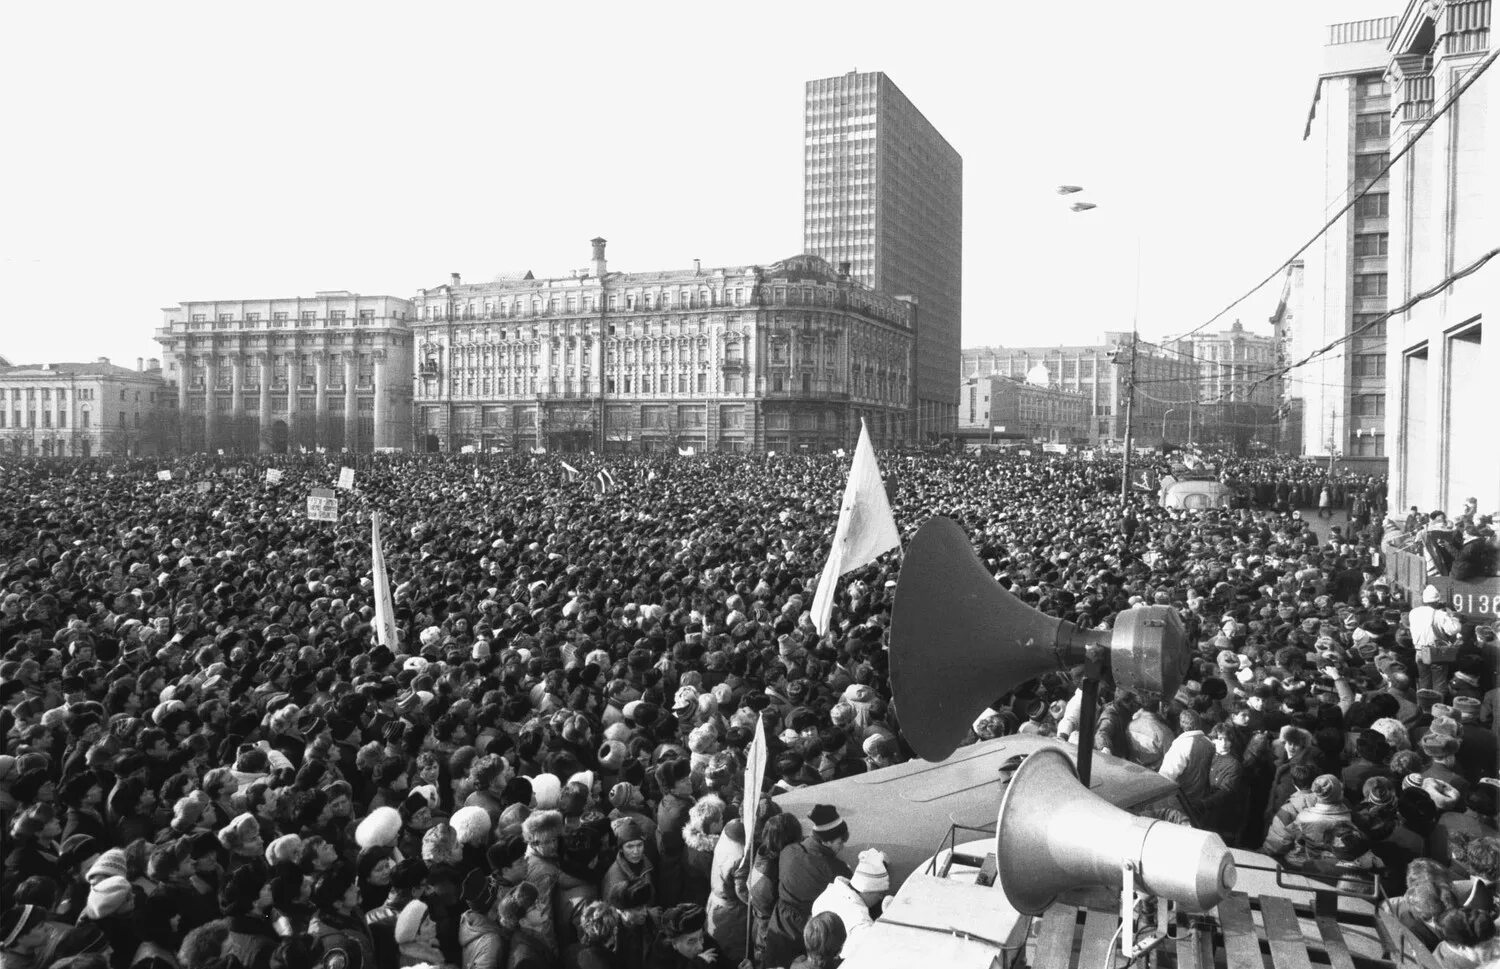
pixel 208 762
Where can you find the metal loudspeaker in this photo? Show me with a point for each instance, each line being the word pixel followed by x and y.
pixel 1054 835
pixel 959 641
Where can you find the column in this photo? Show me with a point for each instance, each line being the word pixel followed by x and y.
pixel 236 403
pixel 184 374
pixel 320 381
pixel 351 400
pixel 210 400
pixel 382 433
pixel 266 374
pixel 293 379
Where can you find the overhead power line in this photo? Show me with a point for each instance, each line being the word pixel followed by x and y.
pixel 1411 142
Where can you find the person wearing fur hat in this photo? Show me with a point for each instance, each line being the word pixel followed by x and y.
pixel 245 900
pixel 681 942
pixel 805 869
pixel 700 836
pixel 34 833
pixel 631 862
pixel 543 831
pixel 1441 750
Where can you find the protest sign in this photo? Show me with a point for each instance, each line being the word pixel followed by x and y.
pixel 322 506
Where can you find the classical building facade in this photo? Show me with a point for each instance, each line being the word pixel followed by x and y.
pixel 1346 272
pixel 1239 386
pixel 1165 381
pixel 745 358
pixel 83 410
pixel 1444 222
pixel 331 371
pixel 883 192
pixel 1035 409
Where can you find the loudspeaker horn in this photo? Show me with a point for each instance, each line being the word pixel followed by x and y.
pixel 959 640
pixel 1054 835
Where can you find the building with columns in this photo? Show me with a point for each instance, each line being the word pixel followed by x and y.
pixel 331 371
pixel 783 357
pixel 82 410
pixel 1444 225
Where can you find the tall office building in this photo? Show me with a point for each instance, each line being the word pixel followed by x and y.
pixel 1345 282
pixel 883 193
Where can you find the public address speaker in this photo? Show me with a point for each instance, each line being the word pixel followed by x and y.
pixel 1054 835
pixel 959 641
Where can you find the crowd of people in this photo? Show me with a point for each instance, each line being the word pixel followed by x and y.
pixel 210 763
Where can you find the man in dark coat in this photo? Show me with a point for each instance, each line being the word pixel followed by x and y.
pixel 806 869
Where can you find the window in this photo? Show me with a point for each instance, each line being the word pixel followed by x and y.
pixel 1373 87
pixel 280 316
pixel 252 317
pixel 1371 243
pixel 83 419
pixel 336 316
pixel 62 418
pixel 226 317
pixel 368 315
pixel 200 317
pixel 1369 405
pixel 1369 365
pixel 308 316
pixel 1376 205
pixel 1369 284
pixel 1366 328
pixel 1369 165
pixel 1376 124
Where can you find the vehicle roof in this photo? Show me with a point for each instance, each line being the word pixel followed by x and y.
pixel 906 810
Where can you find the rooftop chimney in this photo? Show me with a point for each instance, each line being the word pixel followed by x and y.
pixel 457 279
pixel 697 267
pixel 104 359
pixel 140 364
pixel 153 364
pixel 599 264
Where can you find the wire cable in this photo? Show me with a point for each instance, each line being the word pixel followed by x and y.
pixel 1410 143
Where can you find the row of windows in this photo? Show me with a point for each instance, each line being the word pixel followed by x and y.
pixel 84 419
pixel 283 316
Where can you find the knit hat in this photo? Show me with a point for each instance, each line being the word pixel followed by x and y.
pixel 624 795
pixel 1431 596
pixel 107 897
pixel 871 874
pixel 111 864
pixel 612 756
pixel 77 848
pixel 1328 789
pixel 825 817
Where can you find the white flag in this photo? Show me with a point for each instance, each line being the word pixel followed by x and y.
pixel 385 610
pixel 755 778
pixel 866 528
pixel 573 472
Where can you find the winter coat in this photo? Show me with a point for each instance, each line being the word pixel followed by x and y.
pixel 806 869
pixel 1187 762
pixel 671 873
pixel 1280 837
pixel 727 911
pixel 698 859
pixel 483 943
pixel 1223 807
pixel 331 931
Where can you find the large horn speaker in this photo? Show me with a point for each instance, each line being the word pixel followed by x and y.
pixel 959 641
pixel 1054 835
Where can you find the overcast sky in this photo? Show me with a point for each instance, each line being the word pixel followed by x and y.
pixel 160 152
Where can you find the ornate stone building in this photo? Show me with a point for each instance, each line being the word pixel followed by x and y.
pixel 332 371
pixel 82 410
pixel 1034 409
pixel 745 358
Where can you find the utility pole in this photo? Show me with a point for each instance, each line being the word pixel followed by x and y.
pixel 1129 416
